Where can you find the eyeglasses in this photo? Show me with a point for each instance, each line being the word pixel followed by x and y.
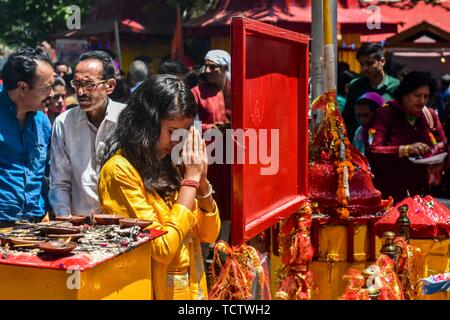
pixel 86 85
pixel 47 88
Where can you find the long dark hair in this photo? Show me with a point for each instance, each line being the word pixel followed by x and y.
pixel 162 97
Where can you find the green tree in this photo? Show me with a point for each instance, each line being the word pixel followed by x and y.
pixel 28 22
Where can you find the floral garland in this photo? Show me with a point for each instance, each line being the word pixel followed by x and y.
pixel 295 280
pixel 345 169
pixel 242 267
pixel 335 139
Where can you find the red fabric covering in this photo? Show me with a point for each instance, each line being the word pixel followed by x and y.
pixel 82 260
pixel 440 214
pixel 323 183
pixel 324 179
pixel 423 226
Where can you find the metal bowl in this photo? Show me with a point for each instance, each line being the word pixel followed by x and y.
pixel 28 243
pixel 107 219
pixel 76 220
pixel 61 230
pixel 57 247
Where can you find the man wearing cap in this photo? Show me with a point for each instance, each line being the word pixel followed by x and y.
pixel 374 79
pixel 214 110
pixel 213 96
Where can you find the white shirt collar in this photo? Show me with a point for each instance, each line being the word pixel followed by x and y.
pixel 112 112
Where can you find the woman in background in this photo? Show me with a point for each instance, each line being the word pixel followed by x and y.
pixel 405 128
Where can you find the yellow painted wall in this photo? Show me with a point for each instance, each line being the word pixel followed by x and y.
pixel 155 50
pixel 347 54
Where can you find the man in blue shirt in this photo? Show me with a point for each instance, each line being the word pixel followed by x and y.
pixel 25 133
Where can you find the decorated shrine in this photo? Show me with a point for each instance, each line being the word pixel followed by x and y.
pixel 343 240
pixel 307 221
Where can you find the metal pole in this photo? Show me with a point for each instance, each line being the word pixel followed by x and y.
pixel 117 41
pixel 329 58
pixel 317 77
pixel 333 12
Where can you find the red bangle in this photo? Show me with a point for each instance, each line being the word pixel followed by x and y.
pixel 190 183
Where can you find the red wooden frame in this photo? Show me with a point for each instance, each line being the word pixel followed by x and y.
pixel 258 201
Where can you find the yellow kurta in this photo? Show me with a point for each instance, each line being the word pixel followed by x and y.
pixel 177 264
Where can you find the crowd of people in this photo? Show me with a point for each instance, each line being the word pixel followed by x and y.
pixel 88 138
pixel 395 121
pixel 70 145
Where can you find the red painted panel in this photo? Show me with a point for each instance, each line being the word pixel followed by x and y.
pixel 270 92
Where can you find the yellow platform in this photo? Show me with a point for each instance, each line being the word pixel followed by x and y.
pixel 127 276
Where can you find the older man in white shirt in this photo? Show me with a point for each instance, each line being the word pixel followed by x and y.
pixel 79 136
